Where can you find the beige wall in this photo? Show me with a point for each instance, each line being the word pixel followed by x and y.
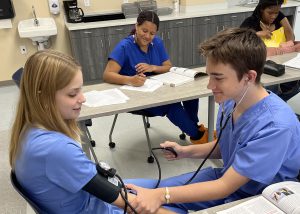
pixel 199 2
pixel 10 57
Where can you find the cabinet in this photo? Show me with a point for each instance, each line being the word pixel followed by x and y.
pixel 177 36
pixel 91 48
pixel 205 27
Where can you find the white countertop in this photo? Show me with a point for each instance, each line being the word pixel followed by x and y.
pixel 174 16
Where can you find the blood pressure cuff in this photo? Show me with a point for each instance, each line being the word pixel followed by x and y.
pixel 100 187
pixel 274 69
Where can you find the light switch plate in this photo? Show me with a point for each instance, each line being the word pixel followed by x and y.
pixel 87 3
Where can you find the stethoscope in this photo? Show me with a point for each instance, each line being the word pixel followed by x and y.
pixel 222 127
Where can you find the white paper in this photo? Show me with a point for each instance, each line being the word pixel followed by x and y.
pixel 103 98
pixel 172 79
pixel 5 23
pixel 258 205
pixel 149 86
pixel 293 63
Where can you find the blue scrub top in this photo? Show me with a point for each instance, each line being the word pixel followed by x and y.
pixel 53 168
pixel 263 144
pixel 128 54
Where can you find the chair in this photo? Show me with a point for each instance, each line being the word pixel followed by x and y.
pixel 145 115
pixel 16 77
pixel 23 193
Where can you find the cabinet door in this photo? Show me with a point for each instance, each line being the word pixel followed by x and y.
pixel 203 28
pixel 178 39
pixel 115 34
pixel 179 46
pixel 231 20
pixel 289 12
pixel 91 54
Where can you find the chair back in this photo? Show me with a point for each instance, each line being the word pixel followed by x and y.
pixel 23 193
pixel 17 76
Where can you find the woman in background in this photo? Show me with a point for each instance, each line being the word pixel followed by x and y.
pixel 265 20
pixel 142 54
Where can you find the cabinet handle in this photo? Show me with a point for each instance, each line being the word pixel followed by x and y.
pixel 162 36
pixel 108 42
pixel 119 29
pixel 207 19
pixel 168 35
pixel 102 43
pixel 177 23
pixel 87 32
pixel 234 17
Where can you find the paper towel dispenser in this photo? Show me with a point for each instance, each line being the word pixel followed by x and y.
pixel 6 9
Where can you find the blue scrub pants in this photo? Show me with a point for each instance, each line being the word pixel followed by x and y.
pixel 183 116
pixel 285 90
pixel 207 174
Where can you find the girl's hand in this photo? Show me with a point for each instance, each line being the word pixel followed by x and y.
pixel 138 80
pixel 146 200
pixel 176 147
pixel 265 34
pixel 144 67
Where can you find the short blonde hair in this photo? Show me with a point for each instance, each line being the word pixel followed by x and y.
pixel 45 72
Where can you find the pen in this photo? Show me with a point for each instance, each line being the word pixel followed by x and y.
pixel 169 84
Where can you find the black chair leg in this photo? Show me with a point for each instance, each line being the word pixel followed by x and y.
pixel 111 143
pixel 182 136
pixel 89 123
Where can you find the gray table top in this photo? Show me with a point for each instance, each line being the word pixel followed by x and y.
pixel 166 94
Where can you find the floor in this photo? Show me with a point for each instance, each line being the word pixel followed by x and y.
pixel 129 157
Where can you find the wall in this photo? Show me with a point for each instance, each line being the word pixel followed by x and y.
pixel 199 2
pixel 12 59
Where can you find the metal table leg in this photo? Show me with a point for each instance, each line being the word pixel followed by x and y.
pixel 211 118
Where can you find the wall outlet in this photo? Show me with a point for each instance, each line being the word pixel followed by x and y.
pixel 87 3
pixel 23 49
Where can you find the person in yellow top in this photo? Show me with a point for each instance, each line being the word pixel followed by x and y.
pixel 274 29
pixel 267 19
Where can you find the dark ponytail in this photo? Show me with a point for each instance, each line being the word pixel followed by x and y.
pixel 146 15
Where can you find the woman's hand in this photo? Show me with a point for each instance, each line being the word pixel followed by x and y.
pixel 177 148
pixel 264 34
pixel 146 200
pixel 144 67
pixel 137 80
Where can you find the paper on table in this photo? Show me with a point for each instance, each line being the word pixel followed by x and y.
pixel 107 97
pixel 150 85
pixel 293 63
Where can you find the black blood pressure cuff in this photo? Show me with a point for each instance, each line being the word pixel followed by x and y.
pixel 100 187
pixel 274 69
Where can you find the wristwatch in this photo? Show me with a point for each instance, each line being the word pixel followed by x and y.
pixel 167 195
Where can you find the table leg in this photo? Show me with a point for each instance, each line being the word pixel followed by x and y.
pixel 211 118
pixel 85 139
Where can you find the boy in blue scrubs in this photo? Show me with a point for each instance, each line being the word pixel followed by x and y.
pixel 142 54
pixel 258 134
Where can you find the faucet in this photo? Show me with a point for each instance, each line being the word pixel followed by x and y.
pixel 36 21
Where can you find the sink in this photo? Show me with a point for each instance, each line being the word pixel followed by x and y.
pixel 38 33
